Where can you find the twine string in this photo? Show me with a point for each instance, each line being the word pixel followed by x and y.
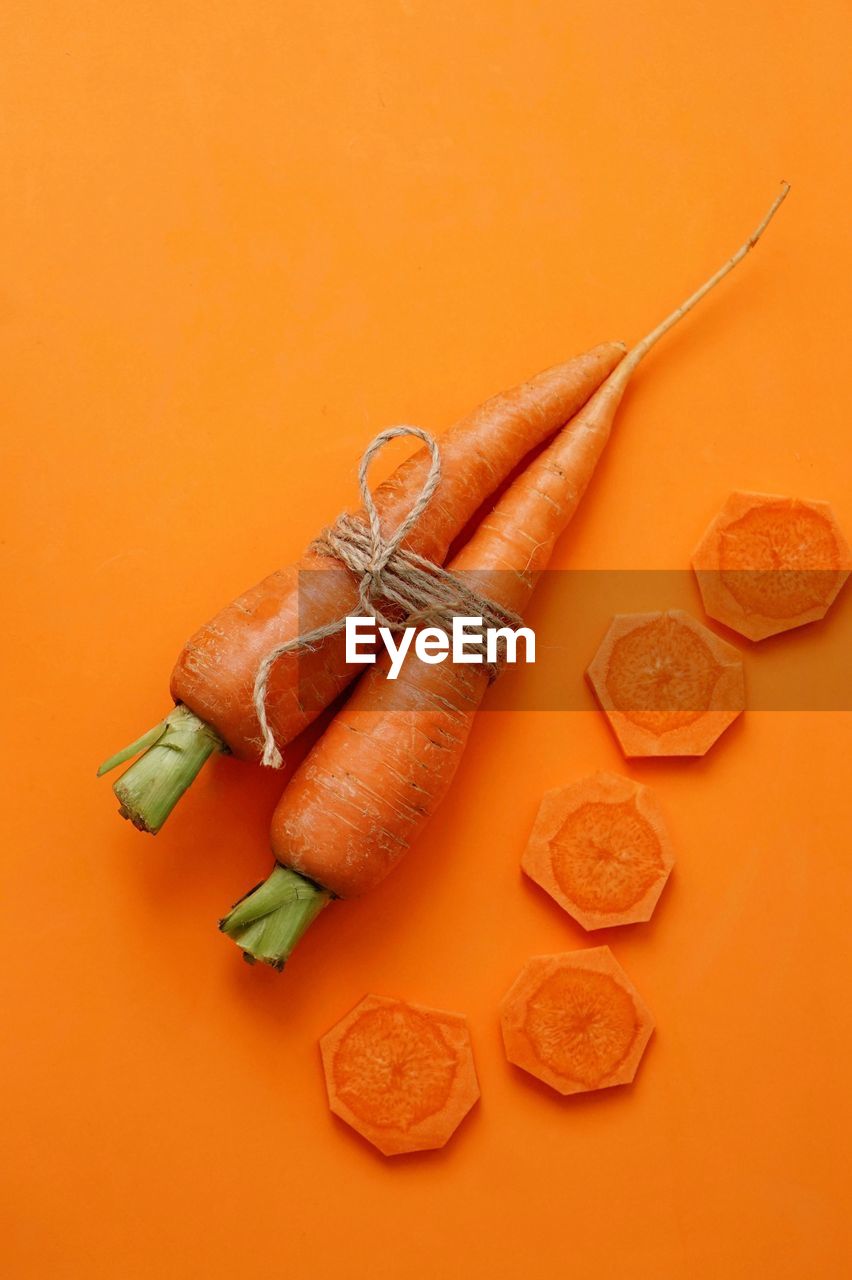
pixel 396 586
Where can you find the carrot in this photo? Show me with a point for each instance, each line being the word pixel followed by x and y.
pixel 600 848
pixel 667 685
pixel 401 1075
pixel 767 563
pixel 213 680
pixel 575 1021
pixel 368 787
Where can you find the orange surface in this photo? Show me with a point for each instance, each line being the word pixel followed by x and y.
pixel 238 240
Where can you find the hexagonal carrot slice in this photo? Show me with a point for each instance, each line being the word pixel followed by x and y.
pixel 575 1021
pixel 402 1075
pixel 667 685
pixel 601 849
pixel 768 563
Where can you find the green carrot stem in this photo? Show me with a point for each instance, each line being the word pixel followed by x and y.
pixel 134 749
pixel 172 754
pixel 268 922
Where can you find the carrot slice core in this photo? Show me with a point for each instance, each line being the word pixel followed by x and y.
pixel 401 1075
pixel 581 1025
pixel 668 686
pixel 606 856
pixel 768 558
pixel 767 564
pixel 393 1067
pixel 658 667
pixel 600 848
pixel 575 1021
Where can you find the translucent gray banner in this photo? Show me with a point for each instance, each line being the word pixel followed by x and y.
pixel 659 663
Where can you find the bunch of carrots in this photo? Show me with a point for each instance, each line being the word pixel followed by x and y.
pixel 368 787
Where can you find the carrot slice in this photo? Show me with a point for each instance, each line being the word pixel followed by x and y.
pixel 576 1021
pixel 668 686
pixel 401 1075
pixel 767 564
pixel 601 849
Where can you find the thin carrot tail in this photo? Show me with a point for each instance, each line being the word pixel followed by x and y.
pixel 641 349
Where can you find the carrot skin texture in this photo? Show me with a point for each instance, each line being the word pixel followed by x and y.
pixel 214 675
pixel 333 824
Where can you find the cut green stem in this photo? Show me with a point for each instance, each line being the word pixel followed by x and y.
pixel 172 754
pixel 127 753
pixel 268 922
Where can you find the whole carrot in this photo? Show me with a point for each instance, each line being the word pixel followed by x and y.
pixel 369 786
pixel 213 679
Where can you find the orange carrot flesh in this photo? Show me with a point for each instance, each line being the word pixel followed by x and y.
pixel 369 786
pixel 767 564
pixel 213 680
pixel 575 1021
pixel 401 1075
pixel 667 685
pixel 600 848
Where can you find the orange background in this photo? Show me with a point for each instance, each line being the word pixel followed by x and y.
pixel 239 239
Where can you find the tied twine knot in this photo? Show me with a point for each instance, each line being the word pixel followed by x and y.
pixel 396 587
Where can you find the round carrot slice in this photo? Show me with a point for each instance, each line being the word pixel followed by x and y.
pixel 667 685
pixel 575 1021
pixel 401 1075
pixel 601 849
pixel 767 563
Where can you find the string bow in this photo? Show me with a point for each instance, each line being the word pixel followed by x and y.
pixel 396 586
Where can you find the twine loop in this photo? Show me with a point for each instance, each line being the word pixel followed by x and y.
pixel 396 587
